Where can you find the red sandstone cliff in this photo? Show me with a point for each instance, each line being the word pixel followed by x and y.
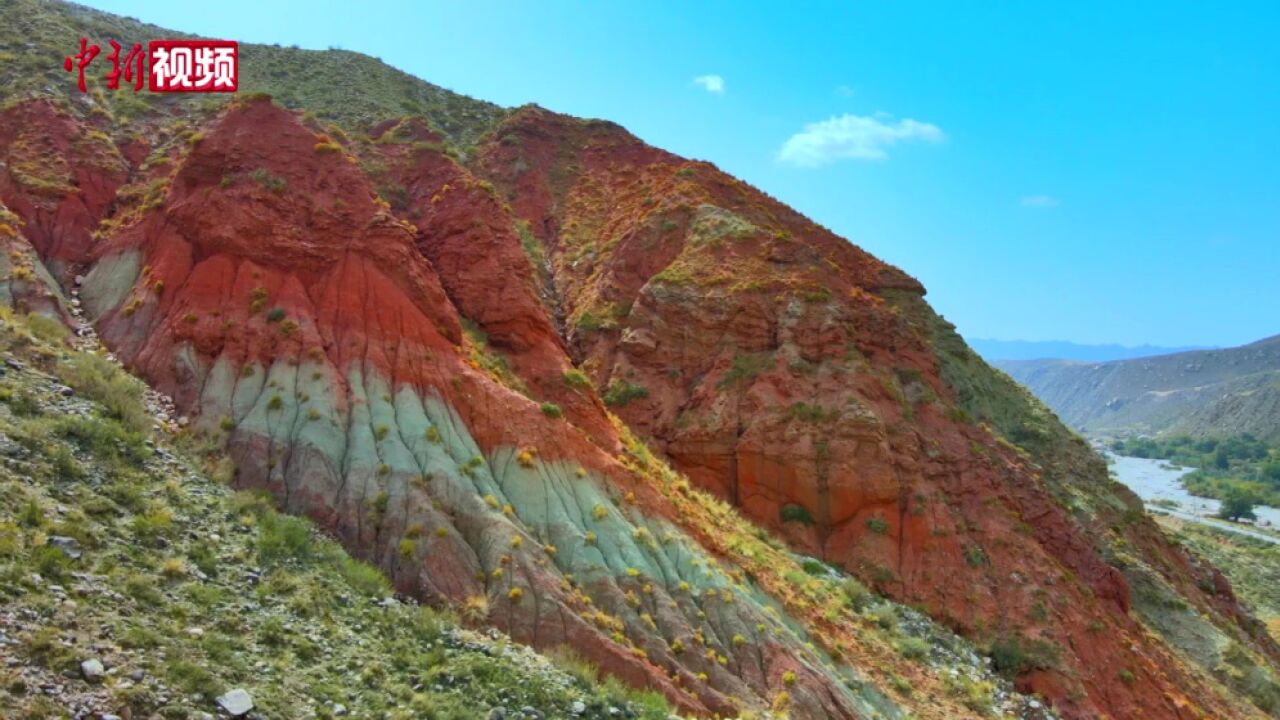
pixel 303 294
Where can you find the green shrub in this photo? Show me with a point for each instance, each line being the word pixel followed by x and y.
pixel 1237 504
pixel 886 617
pixel 363 577
pixel 153 525
pixel 203 557
pixel 252 502
pixel 50 562
pixel 275 314
pixel 857 596
pixel 1013 655
pixel 104 438
pixel 64 464
pixel 877 525
pixel 792 512
pixel 31 515
pixel 551 410
pixel 913 648
pixel 812 413
pixel 23 403
pixel 620 392
pixel 588 322
pixel 143 589
pixel 746 367
pixel 101 380
pixel 814 567
pixel 977 695
pixel 575 378
pixel 975 556
pixel 192 677
pixel 282 538
pixel 274 183
pixel 47 329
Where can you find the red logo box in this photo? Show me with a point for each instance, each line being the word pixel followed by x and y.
pixel 200 66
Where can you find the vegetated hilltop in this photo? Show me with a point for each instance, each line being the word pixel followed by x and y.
pixel 526 363
pixel 1205 393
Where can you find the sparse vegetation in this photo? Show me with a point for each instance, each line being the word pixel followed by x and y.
pixel 745 368
pixel 273 183
pixel 1014 655
pixel 620 392
pixel 791 512
pixel 576 379
pixel 217 590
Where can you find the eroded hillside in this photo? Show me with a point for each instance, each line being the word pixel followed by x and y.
pixel 614 397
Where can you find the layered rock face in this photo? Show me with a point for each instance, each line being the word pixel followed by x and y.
pixel 802 380
pixel 276 297
pixel 474 367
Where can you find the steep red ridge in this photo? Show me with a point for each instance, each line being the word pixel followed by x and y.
pixel 273 293
pixel 302 295
pixel 785 370
pixel 471 237
pixel 60 176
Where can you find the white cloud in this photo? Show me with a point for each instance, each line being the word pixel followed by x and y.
pixel 713 84
pixel 1040 201
pixel 844 91
pixel 853 136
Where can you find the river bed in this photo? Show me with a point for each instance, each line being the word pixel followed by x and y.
pixel 1157 483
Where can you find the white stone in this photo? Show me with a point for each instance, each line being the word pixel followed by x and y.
pixel 92 670
pixel 236 702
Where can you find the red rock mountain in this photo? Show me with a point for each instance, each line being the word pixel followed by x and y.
pixel 598 395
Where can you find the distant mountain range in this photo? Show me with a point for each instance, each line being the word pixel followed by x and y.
pixel 1206 392
pixel 996 350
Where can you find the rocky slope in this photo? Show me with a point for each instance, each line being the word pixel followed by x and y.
pixel 132 584
pixel 1203 393
pixel 417 331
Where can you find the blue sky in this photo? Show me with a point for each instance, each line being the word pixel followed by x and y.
pixel 1085 171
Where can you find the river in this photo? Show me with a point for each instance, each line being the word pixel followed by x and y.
pixel 1156 482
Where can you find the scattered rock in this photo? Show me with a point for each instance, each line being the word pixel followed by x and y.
pixel 68 545
pixel 92 670
pixel 236 702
